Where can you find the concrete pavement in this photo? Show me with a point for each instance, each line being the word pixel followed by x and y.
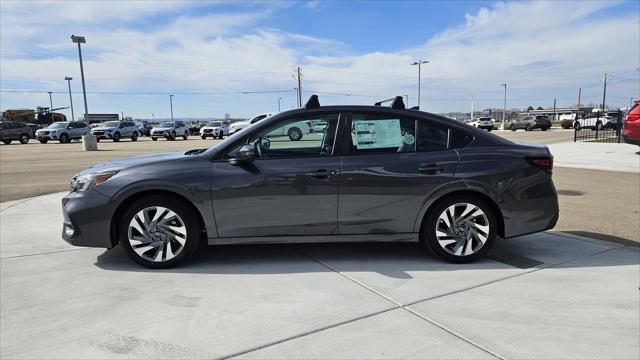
pixel 581 300
pixel 597 156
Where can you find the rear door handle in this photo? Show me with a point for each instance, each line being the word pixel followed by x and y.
pixel 322 173
pixel 431 169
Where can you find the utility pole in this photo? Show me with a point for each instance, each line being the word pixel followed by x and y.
pixel 279 99
pixel 81 40
pixel 299 88
pixel 68 78
pixel 604 93
pixel 51 106
pixel 472 108
pixel 554 109
pixel 504 109
pixel 579 98
pixel 419 63
pixel 171 104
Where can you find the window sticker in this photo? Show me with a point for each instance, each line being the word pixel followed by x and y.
pixel 375 134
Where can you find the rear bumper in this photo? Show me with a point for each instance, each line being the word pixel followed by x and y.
pixel 86 219
pixel 631 140
pixel 533 210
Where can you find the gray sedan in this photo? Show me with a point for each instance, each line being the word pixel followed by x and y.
pixel 372 174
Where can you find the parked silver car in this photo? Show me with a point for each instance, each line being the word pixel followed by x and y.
pixel 170 130
pixel 116 130
pixel 63 131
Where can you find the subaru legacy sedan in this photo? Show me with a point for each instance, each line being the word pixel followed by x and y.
pixel 372 173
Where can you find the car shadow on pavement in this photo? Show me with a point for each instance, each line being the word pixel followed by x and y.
pixel 393 260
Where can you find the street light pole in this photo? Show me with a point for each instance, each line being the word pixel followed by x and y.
pixel 51 105
pixel 171 103
pixel 504 109
pixel 279 99
pixel 419 63
pixel 81 40
pixel 68 78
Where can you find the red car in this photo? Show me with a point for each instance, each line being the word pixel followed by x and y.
pixel 631 125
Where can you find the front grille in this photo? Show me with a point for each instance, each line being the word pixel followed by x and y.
pixel 98 133
pixel 208 130
pixel 45 133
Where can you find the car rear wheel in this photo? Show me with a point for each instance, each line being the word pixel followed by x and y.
pixel 6 141
pixel 24 138
pixel 528 127
pixel 459 229
pixel 134 136
pixel 159 231
pixel 544 128
pixel 513 127
pixel 295 134
pixel 64 138
pixel 154 139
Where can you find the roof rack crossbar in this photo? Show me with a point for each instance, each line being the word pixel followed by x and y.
pixel 396 102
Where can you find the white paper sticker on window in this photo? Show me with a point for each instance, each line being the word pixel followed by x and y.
pixel 376 134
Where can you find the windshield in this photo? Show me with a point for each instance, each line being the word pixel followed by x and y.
pixel 111 124
pixel 214 124
pixel 58 125
pixel 166 125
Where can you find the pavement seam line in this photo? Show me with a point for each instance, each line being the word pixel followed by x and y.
pixel 306 333
pixel 401 306
pixel 44 253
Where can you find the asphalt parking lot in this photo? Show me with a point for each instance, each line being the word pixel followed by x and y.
pixel 543 296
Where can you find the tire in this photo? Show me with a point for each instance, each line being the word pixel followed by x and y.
pixel 64 138
pixel 577 126
pixel 182 241
pixel 294 134
pixel 203 137
pixel 185 136
pixel 7 141
pixel 489 130
pixel 134 136
pixel 460 250
pixel 528 127
pixel 513 127
pixel 599 125
pixel 544 128
pixel 24 138
pixel 221 136
pixel 154 139
pixel 116 137
pixel 44 141
pixel 172 136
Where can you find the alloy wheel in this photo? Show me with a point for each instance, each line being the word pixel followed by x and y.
pixel 462 229
pixel 157 234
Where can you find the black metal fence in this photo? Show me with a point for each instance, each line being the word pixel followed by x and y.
pixel 598 128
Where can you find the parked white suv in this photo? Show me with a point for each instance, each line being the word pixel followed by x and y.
pixel 63 131
pixel 239 125
pixel 215 129
pixel 294 130
pixel 485 123
pixel 597 120
pixel 170 130
pixel 116 130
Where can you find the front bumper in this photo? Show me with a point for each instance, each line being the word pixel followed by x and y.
pixel 87 219
pixel 103 135
pixel 46 137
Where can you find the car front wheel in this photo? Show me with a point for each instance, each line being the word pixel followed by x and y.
pixel 64 138
pixel 185 136
pixel 159 231
pixel 24 138
pixel 513 127
pixel 459 229
pixel 116 137
pixel 294 134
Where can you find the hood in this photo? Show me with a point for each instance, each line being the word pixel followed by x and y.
pixel 133 161
pixel 103 128
pixel 161 128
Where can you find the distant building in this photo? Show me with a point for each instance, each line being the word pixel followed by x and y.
pixel 96 118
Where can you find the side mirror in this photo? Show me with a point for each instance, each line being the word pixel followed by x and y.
pixel 246 154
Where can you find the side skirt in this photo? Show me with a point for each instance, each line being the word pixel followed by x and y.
pixel 404 237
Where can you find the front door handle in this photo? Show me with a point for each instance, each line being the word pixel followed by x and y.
pixel 321 173
pixel 431 169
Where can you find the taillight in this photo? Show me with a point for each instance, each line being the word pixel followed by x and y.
pixel 545 163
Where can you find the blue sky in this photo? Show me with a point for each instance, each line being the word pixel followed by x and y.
pixel 211 53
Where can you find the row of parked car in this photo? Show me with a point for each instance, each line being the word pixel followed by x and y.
pixel 526 123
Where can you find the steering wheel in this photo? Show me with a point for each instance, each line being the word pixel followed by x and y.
pixel 262 147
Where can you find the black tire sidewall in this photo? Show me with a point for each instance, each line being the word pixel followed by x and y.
pixel 116 137
pixel 24 139
pixel 64 138
pixel 179 207
pixel 295 131
pixel 428 238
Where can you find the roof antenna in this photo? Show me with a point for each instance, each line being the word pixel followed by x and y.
pixel 398 103
pixel 312 103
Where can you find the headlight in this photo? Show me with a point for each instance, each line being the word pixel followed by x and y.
pixel 84 182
